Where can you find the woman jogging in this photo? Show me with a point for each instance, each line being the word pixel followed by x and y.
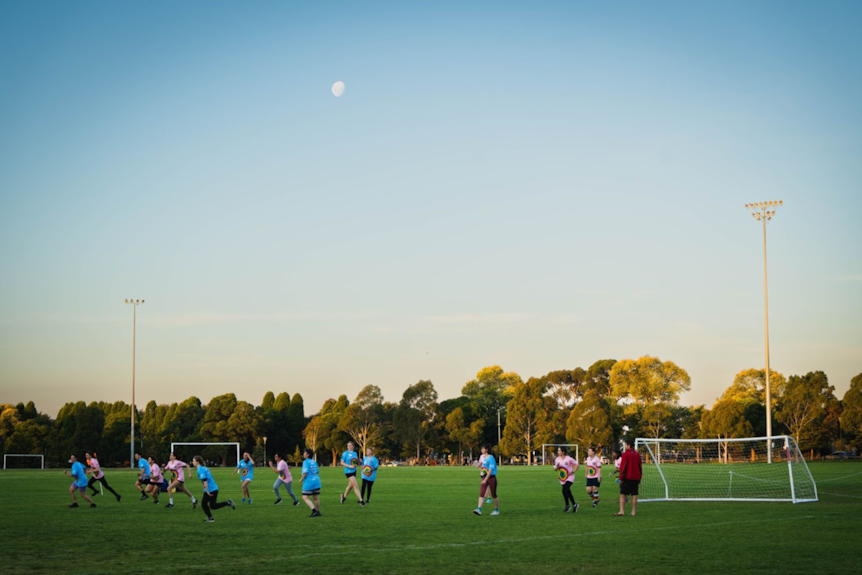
pixel 594 475
pixel 210 498
pixel 350 461
pixel 156 480
pixel 96 470
pixel 566 467
pixel 284 478
pixel 246 469
pixel 369 473
pixel 143 476
pixel 488 473
pixel 178 480
pixel 310 482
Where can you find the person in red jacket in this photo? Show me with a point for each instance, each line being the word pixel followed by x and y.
pixel 630 477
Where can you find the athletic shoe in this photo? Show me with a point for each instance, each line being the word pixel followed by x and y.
pixel 362 504
pixel 231 503
pixel 73 505
pixel 243 499
pixel 477 511
pixel 567 509
pixel 277 501
pixel 595 503
pixel 488 500
pixel 209 520
pixel 315 513
pixel 295 503
pixel 343 498
pixel 169 505
pixel 156 502
pixel 92 505
pixel 495 512
pixel 250 500
pixel 118 498
pixel 144 496
pixel 575 508
pixel 194 504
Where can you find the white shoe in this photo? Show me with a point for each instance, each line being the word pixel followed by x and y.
pixel 495 512
pixel 477 511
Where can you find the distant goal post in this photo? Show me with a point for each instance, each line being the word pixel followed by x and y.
pixel 7 455
pixel 550 447
pixel 207 444
pixel 725 469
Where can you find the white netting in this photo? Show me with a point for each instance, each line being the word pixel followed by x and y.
pixel 724 470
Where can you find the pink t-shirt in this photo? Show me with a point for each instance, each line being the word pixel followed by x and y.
pixel 284 472
pixel 155 473
pixel 177 466
pixel 568 465
pixel 617 462
pixel 94 463
pixel 594 467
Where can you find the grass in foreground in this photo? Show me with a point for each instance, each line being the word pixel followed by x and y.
pixel 420 521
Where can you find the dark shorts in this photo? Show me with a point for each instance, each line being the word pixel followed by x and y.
pixel 593 482
pixel 491 486
pixel 629 487
pixel 311 491
pixel 154 482
pixel 349 475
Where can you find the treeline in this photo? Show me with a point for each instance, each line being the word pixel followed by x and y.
pixel 594 406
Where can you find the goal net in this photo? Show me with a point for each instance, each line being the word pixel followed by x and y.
pixel 23 461
pixel 724 470
pixel 215 454
pixel 549 452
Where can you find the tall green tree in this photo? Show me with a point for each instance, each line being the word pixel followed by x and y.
pixel 362 418
pixel 851 414
pixel 414 418
pixel 802 407
pixel 589 423
pixel 526 420
pixel 726 420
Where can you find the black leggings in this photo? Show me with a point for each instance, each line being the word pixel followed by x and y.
pixel 103 481
pixel 209 500
pixel 369 485
pixel 567 493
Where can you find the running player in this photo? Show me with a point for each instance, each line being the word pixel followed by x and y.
pixel 96 470
pixel 143 476
pixel 566 467
pixel 481 462
pixel 156 480
pixel 246 469
pixel 369 473
pixel 310 482
pixel 210 497
pixel 350 461
pixel 594 475
pixel 284 478
pixel 178 480
pixel 80 483
pixel 488 473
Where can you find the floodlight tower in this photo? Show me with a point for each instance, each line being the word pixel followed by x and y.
pixel 135 303
pixel 763 212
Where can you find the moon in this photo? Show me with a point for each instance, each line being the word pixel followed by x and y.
pixel 338 89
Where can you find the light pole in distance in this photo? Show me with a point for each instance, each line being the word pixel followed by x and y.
pixel 135 303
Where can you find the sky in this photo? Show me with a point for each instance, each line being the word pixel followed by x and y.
pixel 533 185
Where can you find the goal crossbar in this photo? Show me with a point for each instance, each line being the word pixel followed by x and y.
pixel 544 445
pixel 209 444
pixel 42 457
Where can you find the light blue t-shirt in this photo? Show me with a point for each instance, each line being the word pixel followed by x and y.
pixel 204 474
pixel 347 458
pixel 369 468
pixel 144 467
pixel 491 464
pixel 79 474
pixel 246 470
pixel 312 475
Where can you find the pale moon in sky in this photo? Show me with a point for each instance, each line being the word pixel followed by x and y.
pixel 338 89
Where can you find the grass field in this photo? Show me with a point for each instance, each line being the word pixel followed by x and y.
pixel 420 521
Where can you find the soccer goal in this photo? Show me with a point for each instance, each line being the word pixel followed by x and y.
pixel 724 470
pixel 550 449
pixel 8 455
pixel 205 446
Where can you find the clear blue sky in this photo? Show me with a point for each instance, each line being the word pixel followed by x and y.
pixel 536 185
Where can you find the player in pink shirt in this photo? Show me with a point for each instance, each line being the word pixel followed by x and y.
pixel 97 475
pixel 156 480
pixel 284 478
pixel 565 467
pixel 594 475
pixel 178 480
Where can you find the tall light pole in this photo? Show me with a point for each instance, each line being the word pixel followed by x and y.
pixel 763 212
pixel 264 450
pixel 135 303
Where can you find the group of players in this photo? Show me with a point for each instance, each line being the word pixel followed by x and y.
pixel 151 480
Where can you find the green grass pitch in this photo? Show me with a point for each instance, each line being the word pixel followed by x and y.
pixel 420 521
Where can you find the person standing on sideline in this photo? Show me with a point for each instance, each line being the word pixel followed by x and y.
pixel 594 475
pixel 284 478
pixel 178 480
pixel 96 470
pixel 566 467
pixel 210 497
pixel 631 470
pixel 80 484
pixel 350 461
pixel 488 473
pixel 310 482
pixel 369 473
pixel 246 468
pixel 143 476
pixel 618 460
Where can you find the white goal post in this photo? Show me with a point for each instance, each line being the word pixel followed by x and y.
pixel 569 445
pixel 207 444
pixel 41 457
pixel 724 469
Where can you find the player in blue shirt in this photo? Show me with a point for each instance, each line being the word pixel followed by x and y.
pixel 143 476
pixel 210 498
pixel 79 474
pixel 488 473
pixel 310 482
pixel 350 461
pixel 246 473
pixel 369 473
